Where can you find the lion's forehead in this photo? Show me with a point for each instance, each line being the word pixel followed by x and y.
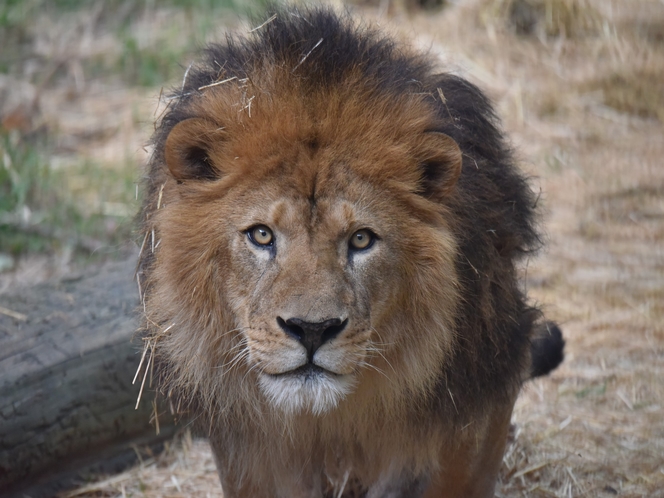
pixel 323 211
pixel 289 125
pixel 311 192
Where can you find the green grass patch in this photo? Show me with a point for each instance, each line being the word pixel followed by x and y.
pixel 15 14
pixel 84 206
pixel 151 67
pixel 144 59
pixel 592 391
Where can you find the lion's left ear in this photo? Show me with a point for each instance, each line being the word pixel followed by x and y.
pixel 440 162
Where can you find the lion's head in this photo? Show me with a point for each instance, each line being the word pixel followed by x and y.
pixel 298 241
pixel 328 271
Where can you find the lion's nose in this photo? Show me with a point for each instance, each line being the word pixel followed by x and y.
pixel 312 335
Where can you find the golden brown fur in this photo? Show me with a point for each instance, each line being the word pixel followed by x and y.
pixel 415 392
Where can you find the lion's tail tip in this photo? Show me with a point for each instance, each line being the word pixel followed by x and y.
pixel 546 348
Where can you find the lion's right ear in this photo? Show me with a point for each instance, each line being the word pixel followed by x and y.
pixel 188 150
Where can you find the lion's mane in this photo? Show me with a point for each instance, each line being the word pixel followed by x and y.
pixel 299 63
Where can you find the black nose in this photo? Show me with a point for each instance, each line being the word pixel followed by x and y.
pixel 312 335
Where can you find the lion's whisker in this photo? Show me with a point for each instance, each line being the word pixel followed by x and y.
pixel 380 353
pixel 251 369
pixel 236 360
pixel 382 342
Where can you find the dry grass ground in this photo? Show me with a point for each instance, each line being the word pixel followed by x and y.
pixel 584 105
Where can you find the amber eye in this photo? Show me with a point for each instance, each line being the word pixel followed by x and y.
pixel 362 239
pixel 261 235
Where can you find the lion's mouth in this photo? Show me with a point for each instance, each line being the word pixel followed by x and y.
pixel 308 387
pixel 308 371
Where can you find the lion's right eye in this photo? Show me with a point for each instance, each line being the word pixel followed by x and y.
pixel 261 236
pixel 362 239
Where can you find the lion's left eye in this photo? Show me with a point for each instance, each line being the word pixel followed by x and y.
pixel 261 236
pixel 362 239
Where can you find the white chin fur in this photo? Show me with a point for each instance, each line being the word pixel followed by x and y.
pixel 317 393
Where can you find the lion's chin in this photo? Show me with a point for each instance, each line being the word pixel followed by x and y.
pixel 306 389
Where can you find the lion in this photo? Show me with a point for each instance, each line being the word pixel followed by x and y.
pixel 328 276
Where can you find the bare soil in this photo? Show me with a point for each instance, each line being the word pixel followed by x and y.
pixel 584 109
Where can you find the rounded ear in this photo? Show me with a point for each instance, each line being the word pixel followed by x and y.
pixel 441 164
pixel 187 150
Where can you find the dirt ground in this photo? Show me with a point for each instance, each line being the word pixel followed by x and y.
pixel 581 94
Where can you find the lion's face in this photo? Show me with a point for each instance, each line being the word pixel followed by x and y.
pixel 313 264
pixel 313 283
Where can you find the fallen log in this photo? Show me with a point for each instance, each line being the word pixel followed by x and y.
pixel 67 403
